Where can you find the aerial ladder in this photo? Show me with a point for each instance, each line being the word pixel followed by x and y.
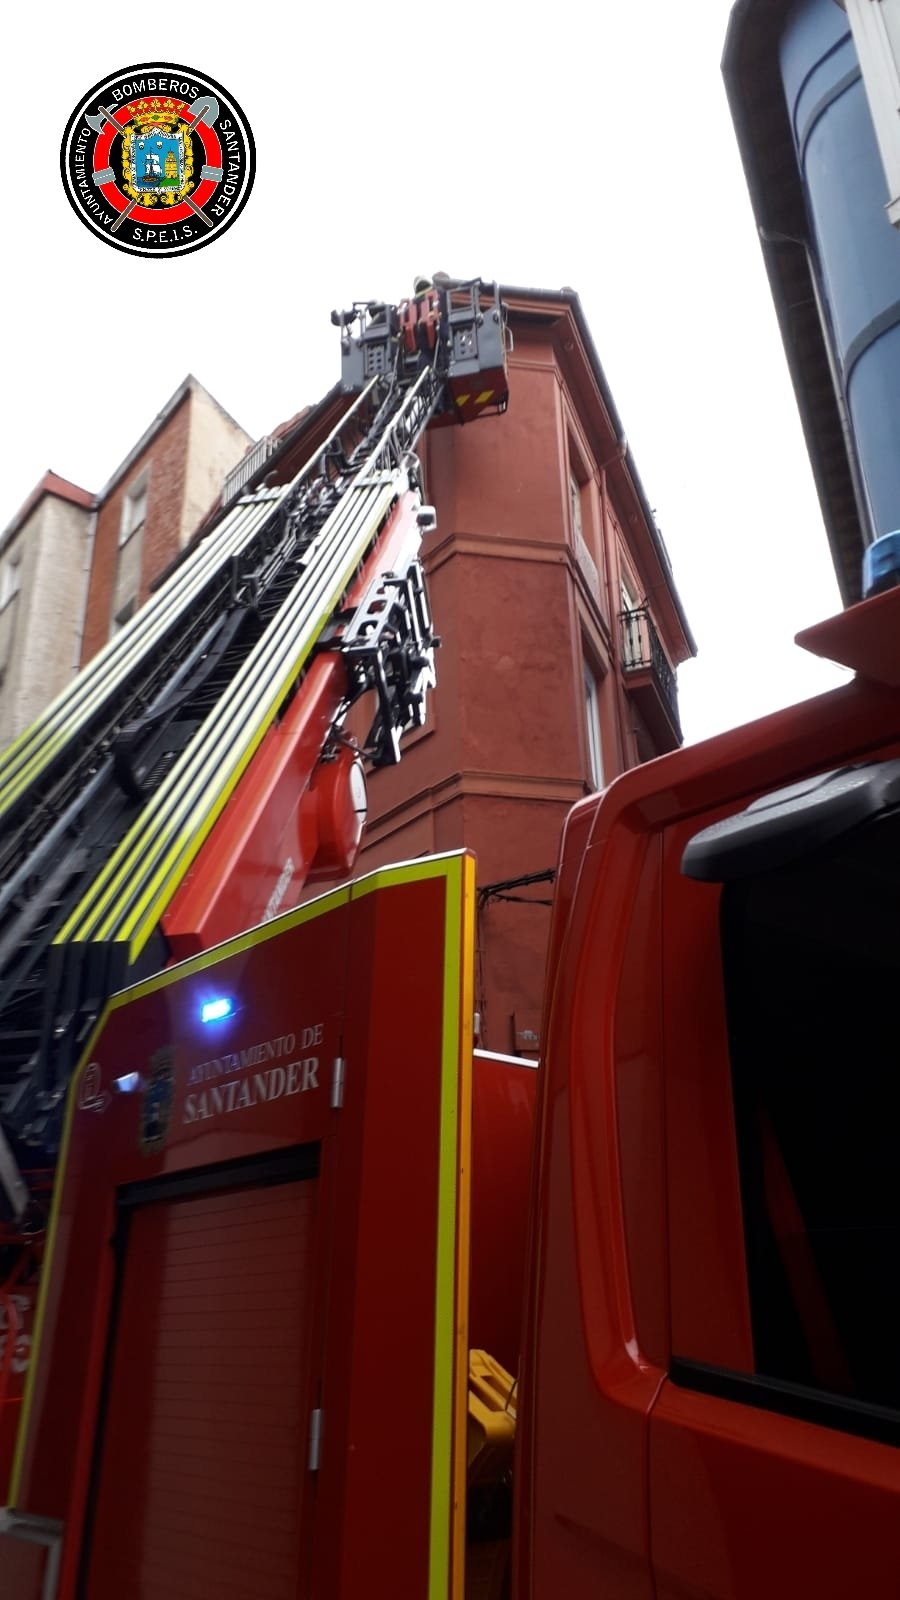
pixel 198 772
pixel 708 1384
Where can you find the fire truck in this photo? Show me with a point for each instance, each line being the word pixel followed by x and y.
pixel 334 1305
pixel 290 1201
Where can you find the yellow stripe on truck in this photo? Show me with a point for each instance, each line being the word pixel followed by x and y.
pixel 160 846
pixel 446 1571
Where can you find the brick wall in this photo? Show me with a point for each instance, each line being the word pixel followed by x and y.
pixel 183 465
pixel 165 462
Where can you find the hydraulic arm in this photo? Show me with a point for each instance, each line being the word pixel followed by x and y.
pixel 210 730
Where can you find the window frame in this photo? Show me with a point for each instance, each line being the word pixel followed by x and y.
pixel 10 579
pixel 592 682
pixel 135 495
pixel 576 514
pixel 803 1396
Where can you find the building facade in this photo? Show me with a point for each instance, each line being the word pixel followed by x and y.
pixel 75 564
pixel 44 556
pixel 152 503
pixel 562 630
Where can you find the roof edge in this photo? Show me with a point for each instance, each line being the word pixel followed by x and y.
pixel 187 387
pixel 569 298
pixel 50 484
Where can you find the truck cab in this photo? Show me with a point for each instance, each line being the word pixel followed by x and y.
pixel 711 1382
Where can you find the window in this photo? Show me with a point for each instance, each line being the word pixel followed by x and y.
pixel 128 573
pixel 582 519
pixel 134 510
pixel 575 506
pixel 812 969
pixel 592 719
pixel 634 644
pixel 629 598
pixel 10 579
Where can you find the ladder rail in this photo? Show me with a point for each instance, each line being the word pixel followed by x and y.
pixel 45 741
pixel 182 810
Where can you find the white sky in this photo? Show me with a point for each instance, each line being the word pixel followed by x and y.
pixel 391 139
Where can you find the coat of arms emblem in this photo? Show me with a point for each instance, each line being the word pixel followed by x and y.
pixel 157 155
pixel 159 1093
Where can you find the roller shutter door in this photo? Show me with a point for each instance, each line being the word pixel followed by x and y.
pixel 202 1456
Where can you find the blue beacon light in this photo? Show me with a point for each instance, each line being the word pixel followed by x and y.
pixel 216 1010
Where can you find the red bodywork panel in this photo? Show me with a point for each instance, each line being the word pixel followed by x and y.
pixel 241 1246
pixel 504 1089
pixel 864 638
pixel 17 1302
pixel 473 397
pixel 291 817
pixel 629 1484
pixel 167 1425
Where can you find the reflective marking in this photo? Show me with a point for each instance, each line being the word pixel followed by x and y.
pixel 131 891
pixel 22 762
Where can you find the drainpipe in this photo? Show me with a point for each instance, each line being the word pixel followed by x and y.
pixel 88 561
pixel 771 236
pixel 602 466
pixel 622 715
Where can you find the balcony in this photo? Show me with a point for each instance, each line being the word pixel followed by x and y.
pixel 240 475
pixel 649 678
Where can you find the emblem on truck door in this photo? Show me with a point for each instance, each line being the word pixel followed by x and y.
pixel 156 1111
pixel 91 1094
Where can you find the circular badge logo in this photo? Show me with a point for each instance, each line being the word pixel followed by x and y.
pixel 158 160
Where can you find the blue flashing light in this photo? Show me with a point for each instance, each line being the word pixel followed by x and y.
pixel 215 1010
pixel 881 565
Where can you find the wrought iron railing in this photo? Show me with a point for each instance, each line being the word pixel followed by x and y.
pixel 241 474
pixel 641 648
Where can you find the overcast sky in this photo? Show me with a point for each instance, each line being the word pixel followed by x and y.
pixel 393 139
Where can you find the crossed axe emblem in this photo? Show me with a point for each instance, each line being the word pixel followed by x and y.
pixel 205 109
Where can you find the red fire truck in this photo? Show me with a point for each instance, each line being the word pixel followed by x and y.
pixel 290 1207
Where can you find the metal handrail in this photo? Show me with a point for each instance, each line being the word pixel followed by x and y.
pixel 243 470
pixel 642 648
